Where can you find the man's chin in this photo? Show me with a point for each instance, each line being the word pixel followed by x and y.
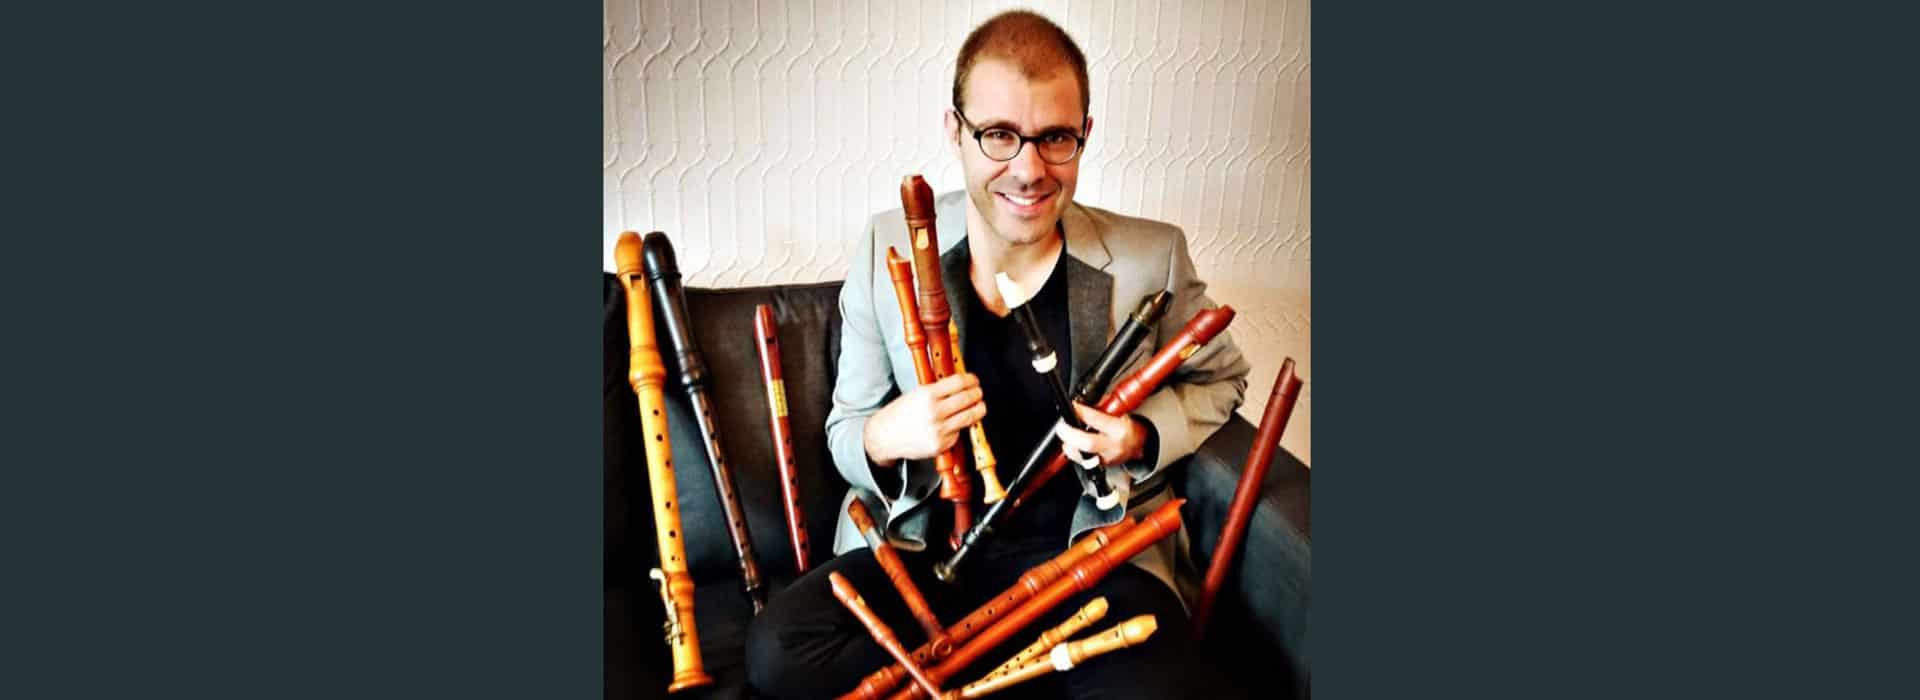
pixel 1023 231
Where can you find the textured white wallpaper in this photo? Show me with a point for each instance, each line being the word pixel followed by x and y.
pixel 762 134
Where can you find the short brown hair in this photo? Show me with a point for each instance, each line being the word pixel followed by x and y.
pixel 1033 44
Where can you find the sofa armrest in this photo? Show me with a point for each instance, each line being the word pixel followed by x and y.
pixel 1270 581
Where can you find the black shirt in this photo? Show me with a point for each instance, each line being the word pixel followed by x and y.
pixel 1020 411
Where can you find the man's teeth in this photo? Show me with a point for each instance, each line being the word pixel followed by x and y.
pixel 1022 201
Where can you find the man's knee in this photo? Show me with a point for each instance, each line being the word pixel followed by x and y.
pixel 1163 665
pixel 768 665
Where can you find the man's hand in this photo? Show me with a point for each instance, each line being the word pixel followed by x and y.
pixel 1115 439
pixel 926 421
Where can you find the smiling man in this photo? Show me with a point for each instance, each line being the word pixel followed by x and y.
pixel 1019 125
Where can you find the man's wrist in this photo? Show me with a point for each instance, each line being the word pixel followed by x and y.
pixel 875 452
pixel 874 455
pixel 1150 439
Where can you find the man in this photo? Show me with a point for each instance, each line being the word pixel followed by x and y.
pixel 1018 125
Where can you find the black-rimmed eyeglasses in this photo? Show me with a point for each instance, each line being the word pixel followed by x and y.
pixel 1058 146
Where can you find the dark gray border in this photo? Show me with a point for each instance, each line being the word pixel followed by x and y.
pixel 1612 349
pixel 306 307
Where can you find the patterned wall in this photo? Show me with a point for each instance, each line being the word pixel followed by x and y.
pixel 761 134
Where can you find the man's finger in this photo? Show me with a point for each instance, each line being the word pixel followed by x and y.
pixel 959 421
pixel 1086 461
pixel 1103 423
pixel 957 403
pixel 1079 440
pixel 953 384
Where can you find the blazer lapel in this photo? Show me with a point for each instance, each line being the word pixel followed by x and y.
pixel 1089 316
pixel 1089 292
pixel 950 224
pixel 955 268
pixel 1084 240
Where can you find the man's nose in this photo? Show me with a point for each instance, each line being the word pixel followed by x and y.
pixel 1026 165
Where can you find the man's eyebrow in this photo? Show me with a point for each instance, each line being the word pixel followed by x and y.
pixel 1010 126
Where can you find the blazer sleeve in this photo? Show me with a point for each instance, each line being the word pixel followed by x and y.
pixel 1203 393
pixel 865 377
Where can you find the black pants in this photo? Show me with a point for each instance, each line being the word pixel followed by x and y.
pixel 806 644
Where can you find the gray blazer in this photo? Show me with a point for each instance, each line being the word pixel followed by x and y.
pixel 1113 263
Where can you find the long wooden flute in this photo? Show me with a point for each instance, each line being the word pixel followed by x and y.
pixel 1164 521
pixel 1034 580
pixel 843 589
pixel 1046 363
pixel 1273 423
pixel 1139 323
pixel 767 338
pixel 901 271
pixel 1087 615
pixel 1064 656
pixel 895 569
pixel 916 198
pixel 663 275
pixel 647 374
pixel 983 460
pixel 1125 397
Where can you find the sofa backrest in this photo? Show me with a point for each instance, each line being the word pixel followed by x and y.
pixel 808 316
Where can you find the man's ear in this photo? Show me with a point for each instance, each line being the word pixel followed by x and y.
pixel 950 130
pixel 1088 134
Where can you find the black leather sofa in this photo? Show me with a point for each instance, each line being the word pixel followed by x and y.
pixel 1258 633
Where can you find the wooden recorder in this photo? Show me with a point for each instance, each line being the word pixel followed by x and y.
pixel 648 374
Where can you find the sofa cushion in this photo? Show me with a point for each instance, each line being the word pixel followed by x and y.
pixel 808 319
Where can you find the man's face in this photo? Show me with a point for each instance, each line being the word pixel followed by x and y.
pixel 1019 201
